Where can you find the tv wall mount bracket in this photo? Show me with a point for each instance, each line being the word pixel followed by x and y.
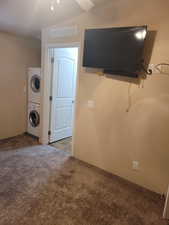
pixel 146 70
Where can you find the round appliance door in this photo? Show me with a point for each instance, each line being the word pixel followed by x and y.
pixel 34 118
pixel 35 83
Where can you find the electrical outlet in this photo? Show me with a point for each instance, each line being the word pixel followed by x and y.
pixel 135 165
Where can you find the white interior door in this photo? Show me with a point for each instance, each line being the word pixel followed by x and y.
pixel 63 92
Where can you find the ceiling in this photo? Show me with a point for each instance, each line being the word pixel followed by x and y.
pixel 28 17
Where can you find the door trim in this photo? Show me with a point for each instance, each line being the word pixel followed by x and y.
pixel 46 81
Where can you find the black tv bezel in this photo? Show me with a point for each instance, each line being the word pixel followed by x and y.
pixel 118 72
pixel 121 73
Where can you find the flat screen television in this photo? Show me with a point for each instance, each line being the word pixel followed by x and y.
pixel 115 50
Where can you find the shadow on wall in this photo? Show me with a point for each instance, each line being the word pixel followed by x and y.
pixel 147 54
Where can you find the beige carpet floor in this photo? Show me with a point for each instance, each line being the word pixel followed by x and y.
pixel 40 185
pixel 17 142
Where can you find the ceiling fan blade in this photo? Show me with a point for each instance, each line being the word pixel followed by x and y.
pixel 85 4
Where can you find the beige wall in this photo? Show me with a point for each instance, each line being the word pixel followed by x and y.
pixel 108 136
pixel 16 55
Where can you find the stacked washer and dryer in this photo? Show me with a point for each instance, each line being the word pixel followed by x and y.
pixel 34 86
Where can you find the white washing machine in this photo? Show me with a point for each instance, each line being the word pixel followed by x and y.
pixel 34 85
pixel 33 126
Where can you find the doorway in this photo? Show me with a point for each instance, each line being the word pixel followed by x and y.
pixel 64 63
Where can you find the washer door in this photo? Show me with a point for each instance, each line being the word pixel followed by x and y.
pixel 34 118
pixel 35 83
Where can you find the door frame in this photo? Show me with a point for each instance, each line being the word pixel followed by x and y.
pixel 47 88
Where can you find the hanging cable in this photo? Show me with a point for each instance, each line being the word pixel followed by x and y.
pixel 129 97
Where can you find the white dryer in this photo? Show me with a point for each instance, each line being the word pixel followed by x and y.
pixel 34 85
pixel 33 126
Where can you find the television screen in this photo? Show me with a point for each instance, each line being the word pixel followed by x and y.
pixel 116 50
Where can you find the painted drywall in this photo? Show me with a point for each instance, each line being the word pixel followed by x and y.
pixel 16 55
pixel 108 136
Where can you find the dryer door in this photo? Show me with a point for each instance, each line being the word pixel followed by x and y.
pixel 34 118
pixel 35 83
